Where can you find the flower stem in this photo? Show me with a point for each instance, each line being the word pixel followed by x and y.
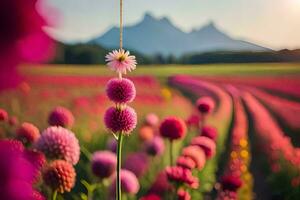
pixel 54 195
pixel 171 152
pixel 119 160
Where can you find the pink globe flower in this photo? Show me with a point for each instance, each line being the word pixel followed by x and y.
pixel 231 183
pixel 28 133
pixel 172 128
pixel 104 163
pixel 210 132
pixel 205 105
pixel 182 176
pixel 120 61
pixel 183 195
pixel 152 119
pixel 186 162
pixel 207 144
pixel 197 154
pixel 117 120
pixel 3 115
pixel 120 91
pixel 59 143
pixel 61 116
pixel 60 175
pixel 137 163
pixel 155 147
pixel 129 183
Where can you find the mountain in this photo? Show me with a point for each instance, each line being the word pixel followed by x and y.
pixel 152 36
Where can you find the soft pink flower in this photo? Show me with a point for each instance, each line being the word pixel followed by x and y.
pixel 120 61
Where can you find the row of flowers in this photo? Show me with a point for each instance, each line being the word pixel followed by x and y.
pixel 283 157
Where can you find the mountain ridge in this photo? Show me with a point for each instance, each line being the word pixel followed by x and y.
pixel 153 36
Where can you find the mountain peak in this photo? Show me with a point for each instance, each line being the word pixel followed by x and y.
pixel 148 17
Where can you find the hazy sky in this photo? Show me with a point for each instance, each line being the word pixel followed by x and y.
pixel 272 23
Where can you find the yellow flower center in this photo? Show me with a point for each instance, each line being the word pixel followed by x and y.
pixel 121 58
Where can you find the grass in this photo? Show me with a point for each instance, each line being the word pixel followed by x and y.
pixel 163 71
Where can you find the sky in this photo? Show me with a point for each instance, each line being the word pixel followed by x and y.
pixel 271 23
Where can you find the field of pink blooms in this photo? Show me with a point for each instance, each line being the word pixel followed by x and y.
pixel 198 137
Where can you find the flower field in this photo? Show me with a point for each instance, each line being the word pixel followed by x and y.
pixel 212 132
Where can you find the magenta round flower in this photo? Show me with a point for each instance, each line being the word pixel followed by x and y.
pixel 193 121
pixel 104 163
pixel 155 147
pixel 152 119
pixel 227 194
pixel 117 120
pixel 61 116
pixel 172 128
pixel 231 183
pixel 137 163
pixel 182 176
pixel 59 143
pixel 3 115
pixel 207 144
pixel 210 132
pixel 28 133
pixel 120 91
pixel 183 195
pixel 129 182
pixel 60 175
pixel 205 105
pixel 37 159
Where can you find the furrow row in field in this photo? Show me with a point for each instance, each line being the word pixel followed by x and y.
pixel 236 175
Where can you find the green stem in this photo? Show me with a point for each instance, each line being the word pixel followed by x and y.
pixel 119 160
pixel 54 195
pixel 171 152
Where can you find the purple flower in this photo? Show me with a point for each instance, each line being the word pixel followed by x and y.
pixel 59 143
pixel 129 183
pixel 61 116
pixel 117 120
pixel 155 147
pixel 137 163
pixel 104 163
pixel 120 90
pixel 60 175
pixel 28 133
